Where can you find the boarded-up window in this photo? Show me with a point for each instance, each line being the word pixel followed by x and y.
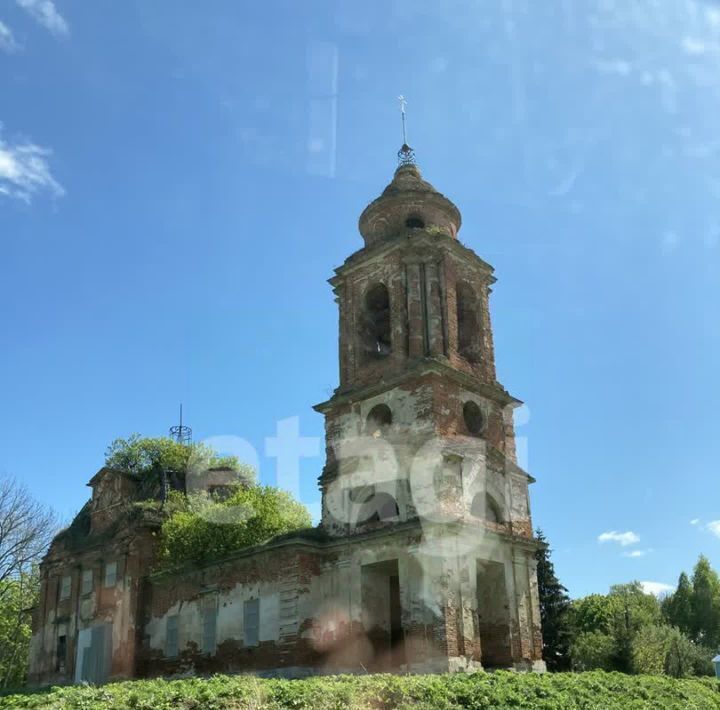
pixel 61 652
pixel 110 574
pixel 251 622
pixel 87 581
pixel 171 636
pixel 209 637
pixel 65 585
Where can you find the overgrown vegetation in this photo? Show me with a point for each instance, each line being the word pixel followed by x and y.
pixel 147 457
pixel 201 527
pixel 198 526
pixel 501 690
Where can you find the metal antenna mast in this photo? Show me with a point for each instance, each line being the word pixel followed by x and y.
pixel 181 434
pixel 406 155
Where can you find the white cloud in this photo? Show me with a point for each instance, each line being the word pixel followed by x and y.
pixel 622 538
pixel 694 45
pixel 714 527
pixel 45 12
pixel 614 66
pixel 695 521
pixel 656 588
pixel 637 553
pixel 24 171
pixel 7 39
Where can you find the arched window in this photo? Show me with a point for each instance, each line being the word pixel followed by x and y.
pixel 378 420
pixel 468 322
pixel 485 507
pixel 381 507
pixel 414 222
pixel 473 417
pixel 377 322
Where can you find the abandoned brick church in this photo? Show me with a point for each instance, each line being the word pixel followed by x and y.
pixel 424 560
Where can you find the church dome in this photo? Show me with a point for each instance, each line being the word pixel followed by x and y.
pixel 408 203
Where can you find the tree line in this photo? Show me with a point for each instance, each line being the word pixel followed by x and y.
pixel 629 630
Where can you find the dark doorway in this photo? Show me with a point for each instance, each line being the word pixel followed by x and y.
pixel 382 613
pixel 493 615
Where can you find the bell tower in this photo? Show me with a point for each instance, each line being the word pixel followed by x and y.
pixel 416 355
pixel 421 473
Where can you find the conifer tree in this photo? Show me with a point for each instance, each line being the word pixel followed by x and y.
pixel 554 607
pixel 705 619
pixel 677 607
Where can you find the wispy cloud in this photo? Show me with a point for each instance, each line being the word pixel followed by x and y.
pixel 698 46
pixel 622 538
pixel 25 172
pixel 621 67
pixel 637 553
pixel 714 527
pixel 656 588
pixel 45 13
pixel 8 43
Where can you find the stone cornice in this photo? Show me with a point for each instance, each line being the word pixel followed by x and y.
pixel 415 369
pixel 436 244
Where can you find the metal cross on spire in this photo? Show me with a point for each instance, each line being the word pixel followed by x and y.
pixel 406 155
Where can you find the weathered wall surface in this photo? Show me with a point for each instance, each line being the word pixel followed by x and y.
pixel 82 609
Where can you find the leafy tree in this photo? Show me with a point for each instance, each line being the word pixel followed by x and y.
pixel 633 609
pixel 26 528
pixel 618 615
pixel 593 650
pixel 205 528
pixel 554 608
pixel 665 650
pixel 19 595
pixel 677 607
pixel 593 613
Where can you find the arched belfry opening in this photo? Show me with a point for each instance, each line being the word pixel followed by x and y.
pixel 377 342
pixel 382 507
pixel 468 322
pixel 485 507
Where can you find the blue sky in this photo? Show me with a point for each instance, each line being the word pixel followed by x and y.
pixel 178 180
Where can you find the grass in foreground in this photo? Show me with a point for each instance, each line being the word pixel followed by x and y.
pixel 557 691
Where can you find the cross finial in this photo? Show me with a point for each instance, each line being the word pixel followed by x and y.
pixel 406 156
pixel 403 104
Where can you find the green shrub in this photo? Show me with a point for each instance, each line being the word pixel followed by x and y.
pixel 664 650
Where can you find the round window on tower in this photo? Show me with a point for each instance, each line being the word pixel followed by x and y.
pixel 474 420
pixel 415 222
